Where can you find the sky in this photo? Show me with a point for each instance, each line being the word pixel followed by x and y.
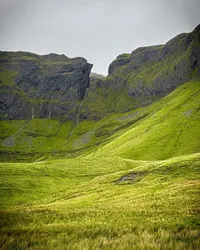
pixel 98 30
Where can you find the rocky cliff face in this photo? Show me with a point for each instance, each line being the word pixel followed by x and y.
pixel 41 86
pixel 55 86
pixel 145 75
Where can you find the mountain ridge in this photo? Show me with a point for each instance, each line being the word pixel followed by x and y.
pixel 145 75
pixel 54 85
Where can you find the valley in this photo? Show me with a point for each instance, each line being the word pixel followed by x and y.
pixel 94 162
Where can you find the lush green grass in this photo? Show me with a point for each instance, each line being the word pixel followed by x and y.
pixel 170 129
pixel 134 185
pixel 79 204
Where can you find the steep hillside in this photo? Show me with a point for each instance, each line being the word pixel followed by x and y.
pixel 171 127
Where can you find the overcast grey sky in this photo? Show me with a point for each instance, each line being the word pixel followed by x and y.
pixel 98 30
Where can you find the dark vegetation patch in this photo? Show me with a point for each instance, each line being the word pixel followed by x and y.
pixel 131 178
pixel 8 156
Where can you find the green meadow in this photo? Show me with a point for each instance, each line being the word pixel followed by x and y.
pixel 128 181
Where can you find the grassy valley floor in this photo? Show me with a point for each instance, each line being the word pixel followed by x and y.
pixel 101 203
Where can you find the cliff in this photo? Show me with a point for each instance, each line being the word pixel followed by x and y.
pixel 49 86
pixel 145 75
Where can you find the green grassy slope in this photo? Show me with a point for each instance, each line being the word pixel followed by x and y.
pixel 86 204
pixel 171 128
pixel 167 128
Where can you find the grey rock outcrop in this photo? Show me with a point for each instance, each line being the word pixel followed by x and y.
pixel 43 86
pixel 118 62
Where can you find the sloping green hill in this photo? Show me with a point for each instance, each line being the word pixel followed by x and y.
pixel 172 127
